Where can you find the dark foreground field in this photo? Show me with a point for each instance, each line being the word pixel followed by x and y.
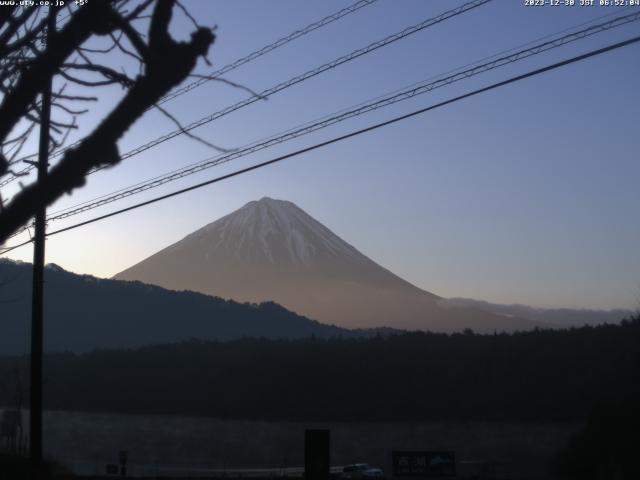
pixel 178 446
pixel 514 400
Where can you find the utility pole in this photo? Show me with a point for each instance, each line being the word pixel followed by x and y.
pixel 35 412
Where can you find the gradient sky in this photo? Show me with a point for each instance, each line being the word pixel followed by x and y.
pixel 525 194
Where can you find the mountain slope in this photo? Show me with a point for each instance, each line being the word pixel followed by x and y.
pixel 273 250
pixel 83 313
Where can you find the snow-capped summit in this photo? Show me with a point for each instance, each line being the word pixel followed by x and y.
pixel 271 250
pixel 275 231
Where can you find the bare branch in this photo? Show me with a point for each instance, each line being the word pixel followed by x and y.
pixel 78 98
pixel 230 83
pixel 86 83
pixel 138 10
pixel 93 18
pixel 118 42
pixel 106 72
pixel 14 25
pixel 134 38
pixel 69 110
pixel 167 63
pixel 31 35
pixel 189 134
pixel 187 14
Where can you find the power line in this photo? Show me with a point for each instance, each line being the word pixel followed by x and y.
pixel 294 80
pixel 310 127
pixel 206 161
pixel 235 64
pixel 268 48
pixel 458 69
pixel 394 120
pixel 309 74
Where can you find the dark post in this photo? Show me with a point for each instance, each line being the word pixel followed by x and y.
pixel 122 457
pixel 35 423
pixel 316 455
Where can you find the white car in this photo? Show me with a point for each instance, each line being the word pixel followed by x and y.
pixel 361 471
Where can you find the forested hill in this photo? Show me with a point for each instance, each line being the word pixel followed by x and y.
pixel 536 376
pixel 83 313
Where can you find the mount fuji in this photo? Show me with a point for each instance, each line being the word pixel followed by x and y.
pixel 271 250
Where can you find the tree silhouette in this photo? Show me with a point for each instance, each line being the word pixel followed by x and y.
pixel 26 65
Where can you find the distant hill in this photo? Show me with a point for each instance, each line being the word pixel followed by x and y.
pixel 554 317
pixel 84 313
pixel 273 250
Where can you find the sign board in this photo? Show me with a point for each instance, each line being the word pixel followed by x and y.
pixel 423 464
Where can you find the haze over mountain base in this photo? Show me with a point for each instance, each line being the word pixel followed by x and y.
pixel 271 250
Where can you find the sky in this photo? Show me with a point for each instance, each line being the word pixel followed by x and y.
pixel 525 194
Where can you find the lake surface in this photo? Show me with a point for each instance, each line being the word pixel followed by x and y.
pixel 172 445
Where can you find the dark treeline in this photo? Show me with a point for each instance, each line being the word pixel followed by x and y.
pixel 540 375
